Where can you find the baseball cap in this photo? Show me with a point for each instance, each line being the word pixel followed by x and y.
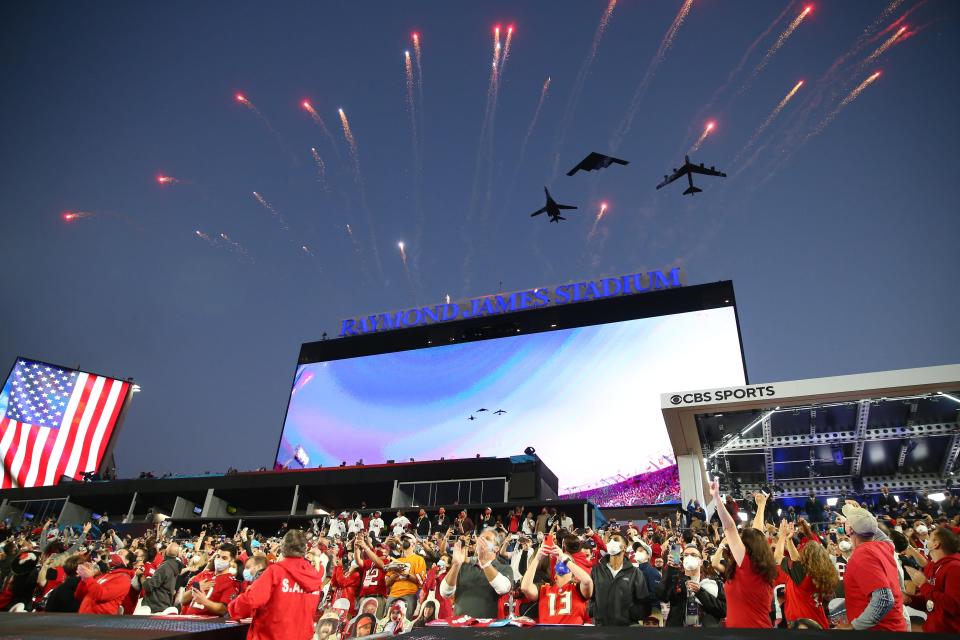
pixel 859 520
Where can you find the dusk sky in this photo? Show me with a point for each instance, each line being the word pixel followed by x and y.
pixel 838 223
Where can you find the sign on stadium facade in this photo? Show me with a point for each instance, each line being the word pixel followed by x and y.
pixel 501 303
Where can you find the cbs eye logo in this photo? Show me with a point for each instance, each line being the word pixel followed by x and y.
pixel 676 399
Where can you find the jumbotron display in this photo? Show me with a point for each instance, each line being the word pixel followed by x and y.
pixel 55 422
pixel 587 398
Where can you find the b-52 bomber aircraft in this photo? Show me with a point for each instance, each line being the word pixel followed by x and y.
pixel 688 169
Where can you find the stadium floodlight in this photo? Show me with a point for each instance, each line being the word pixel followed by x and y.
pixel 742 516
pixel 897 498
pixel 939 496
pixel 831 502
pixel 947 395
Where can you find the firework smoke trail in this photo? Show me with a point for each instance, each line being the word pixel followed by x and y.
pixel 769 120
pixel 703 136
pixel 506 50
pixel 533 122
pixel 236 247
pixel 853 95
pixel 418 54
pixel 269 207
pixel 321 169
pixel 624 127
pixel 205 237
pixel 743 61
pixel 578 84
pixel 356 245
pixel 886 13
pixel 164 180
pixel 593 230
pixel 318 120
pixel 883 47
pixel 361 188
pixel 307 251
pixel 776 46
pixel 408 68
pixel 242 99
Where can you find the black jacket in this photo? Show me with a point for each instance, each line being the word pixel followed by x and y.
pixel 62 599
pixel 621 600
pixel 161 587
pixel 673 589
pixel 423 526
pixel 442 524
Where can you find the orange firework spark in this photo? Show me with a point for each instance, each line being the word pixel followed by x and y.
pixel 242 99
pixel 164 180
pixel 770 118
pixel 418 54
pixel 596 221
pixel 203 236
pixel 506 49
pixel 403 253
pixel 853 95
pixel 308 107
pixel 70 216
pixel 781 40
pixel 269 207
pixel 703 136
pixel 348 135
pixel 892 40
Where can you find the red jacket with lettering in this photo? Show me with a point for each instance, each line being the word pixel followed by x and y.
pixel 281 601
pixel 104 593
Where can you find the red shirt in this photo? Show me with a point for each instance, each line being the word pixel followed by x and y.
pixel 749 598
pixel 374 580
pixel 872 567
pixel 562 605
pixel 803 600
pixel 225 588
pixel 56 582
pixel 345 585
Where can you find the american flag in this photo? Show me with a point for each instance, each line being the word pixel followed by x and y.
pixel 55 422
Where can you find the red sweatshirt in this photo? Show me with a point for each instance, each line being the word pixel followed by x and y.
pixel 281 601
pixel 943 589
pixel 104 593
pixel 346 585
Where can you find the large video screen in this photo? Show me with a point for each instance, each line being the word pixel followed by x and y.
pixel 55 422
pixel 587 398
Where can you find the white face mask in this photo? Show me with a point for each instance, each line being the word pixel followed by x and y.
pixel 642 557
pixel 614 548
pixel 845 545
pixel 220 565
pixel 691 563
pixel 922 529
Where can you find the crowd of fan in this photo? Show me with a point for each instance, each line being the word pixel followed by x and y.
pixel 889 565
pixel 656 487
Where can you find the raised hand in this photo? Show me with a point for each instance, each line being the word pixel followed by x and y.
pixel 760 498
pixel 715 488
pixel 459 555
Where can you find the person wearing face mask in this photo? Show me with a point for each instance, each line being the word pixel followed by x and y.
pixel 209 593
pixel 252 569
pixel 938 586
pixel 620 595
pixel 431 587
pixel 477 581
pixel 161 587
pixel 404 583
pixel 695 601
pixel 641 556
pixel 564 601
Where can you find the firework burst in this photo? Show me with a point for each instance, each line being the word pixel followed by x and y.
pixel 707 130
pixel 269 207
